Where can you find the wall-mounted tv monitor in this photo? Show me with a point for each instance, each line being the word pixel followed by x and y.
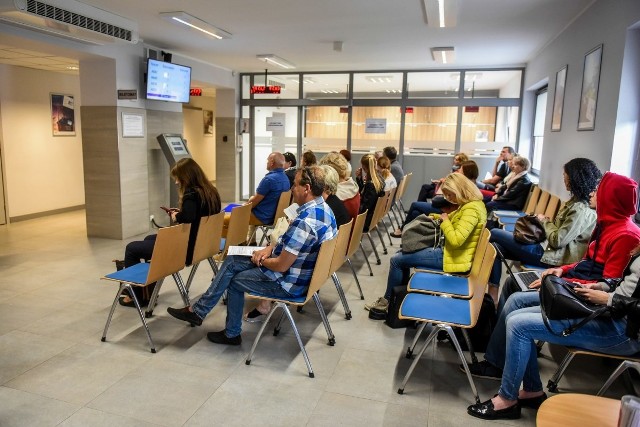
pixel 167 81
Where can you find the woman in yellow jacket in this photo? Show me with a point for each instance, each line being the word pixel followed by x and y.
pixel 461 229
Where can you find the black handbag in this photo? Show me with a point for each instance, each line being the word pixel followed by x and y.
pixel 529 230
pixel 559 301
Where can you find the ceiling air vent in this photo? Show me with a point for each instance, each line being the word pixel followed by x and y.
pixel 69 19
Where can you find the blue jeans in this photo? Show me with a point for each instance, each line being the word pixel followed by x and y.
pixel 527 254
pixel 402 262
pixel 497 205
pixel 237 275
pixel 524 326
pixel 418 208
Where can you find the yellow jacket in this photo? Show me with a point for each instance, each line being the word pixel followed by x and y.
pixel 461 233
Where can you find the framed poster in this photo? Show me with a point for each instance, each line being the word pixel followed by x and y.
pixel 207 122
pixel 132 125
pixel 558 99
pixel 589 93
pixel 63 118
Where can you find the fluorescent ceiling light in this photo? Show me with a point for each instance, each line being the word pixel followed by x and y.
pixel 329 91
pixel 441 13
pixel 275 60
pixel 443 55
pixel 380 79
pixel 197 24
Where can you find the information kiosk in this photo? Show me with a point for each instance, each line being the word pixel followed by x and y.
pixel 174 148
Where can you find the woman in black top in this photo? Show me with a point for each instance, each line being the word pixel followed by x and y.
pixel 197 198
pixel 371 187
pixel 330 187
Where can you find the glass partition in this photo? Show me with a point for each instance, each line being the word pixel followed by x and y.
pixel 377 85
pixel 374 128
pixel 486 131
pixel 276 129
pixel 425 85
pixel 325 86
pixel 430 129
pixel 290 88
pixel 325 128
pixel 492 84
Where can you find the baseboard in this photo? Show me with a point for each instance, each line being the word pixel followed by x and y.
pixel 45 213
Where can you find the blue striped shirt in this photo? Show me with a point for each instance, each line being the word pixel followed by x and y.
pixel 314 224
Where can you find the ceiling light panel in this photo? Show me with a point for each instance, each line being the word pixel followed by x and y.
pixel 443 55
pixel 190 21
pixel 275 60
pixel 441 13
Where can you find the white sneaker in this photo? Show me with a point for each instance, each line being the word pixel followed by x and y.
pixel 379 304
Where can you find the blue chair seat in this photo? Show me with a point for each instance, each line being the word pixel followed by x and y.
pixel 510 227
pixel 432 308
pixel 439 283
pixel 223 242
pixel 507 220
pixel 230 207
pixel 504 213
pixel 294 300
pixel 135 274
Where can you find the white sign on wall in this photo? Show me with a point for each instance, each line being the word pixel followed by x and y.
pixel 276 123
pixel 375 126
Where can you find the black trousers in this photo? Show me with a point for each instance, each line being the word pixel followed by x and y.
pixel 136 251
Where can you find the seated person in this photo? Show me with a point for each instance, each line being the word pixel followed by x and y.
pixel 461 230
pixel 520 362
pixel 383 166
pixel 290 166
pixel 283 269
pixel 614 237
pixel 396 168
pixel 197 198
pixel 348 190
pixel 513 195
pixel 567 235
pixel 427 191
pixel 309 159
pixel 468 168
pixel 347 156
pixel 371 187
pixel 500 169
pixel 330 198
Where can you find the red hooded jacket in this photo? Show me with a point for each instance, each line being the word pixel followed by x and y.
pixel 615 233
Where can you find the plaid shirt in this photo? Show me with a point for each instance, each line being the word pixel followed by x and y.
pixel 314 224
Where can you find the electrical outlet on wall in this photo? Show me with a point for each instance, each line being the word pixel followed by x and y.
pixel 151 218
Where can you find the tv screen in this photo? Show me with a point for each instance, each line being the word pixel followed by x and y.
pixel 167 81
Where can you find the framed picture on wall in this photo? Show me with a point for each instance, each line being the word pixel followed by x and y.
pixel 558 99
pixel 207 122
pixel 63 118
pixel 589 93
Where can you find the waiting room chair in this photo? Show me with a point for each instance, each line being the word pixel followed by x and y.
pixel 405 185
pixel 399 192
pixel 354 243
pixel 237 230
pixel 377 215
pixel 342 243
pixel 207 245
pixel 447 312
pixel 529 206
pixel 385 214
pixel 552 385
pixel 283 202
pixel 169 254
pixel 320 276
pixel 578 410
pixel 552 207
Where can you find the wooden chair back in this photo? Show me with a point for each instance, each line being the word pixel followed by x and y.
pixel 552 207
pixel 238 226
pixel 401 186
pixel 543 201
pixel 342 243
pixel 532 201
pixel 392 194
pixel 478 283
pixel 169 252
pixel 356 234
pixel 208 238
pixel 283 203
pixel 406 180
pixel 378 212
pixel 321 270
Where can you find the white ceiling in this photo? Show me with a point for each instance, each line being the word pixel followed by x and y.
pixel 377 34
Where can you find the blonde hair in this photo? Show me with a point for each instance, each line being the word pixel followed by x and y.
pixel 385 166
pixel 462 157
pixel 521 161
pixel 465 190
pixel 368 163
pixel 336 161
pixel 330 179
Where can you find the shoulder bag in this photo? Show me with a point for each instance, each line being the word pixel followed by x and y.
pixel 559 301
pixel 423 232
pixel 529 230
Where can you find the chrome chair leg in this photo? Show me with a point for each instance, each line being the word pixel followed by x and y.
pixel 387 230
pixel 113 308
pixel 552 385
pixel 345 304
pixel 276 330
pixel 430 338
pixel 261 331
pixel 626 364
pixel 181 288
pixel 412 347
pixel 366 259
pixel 355 276
pixel 456 344
pixel 214 265
pixel 375 251
pixel 192 274
pixel 300 343
pixel 154 298
pixel 384 247
pixel 325 320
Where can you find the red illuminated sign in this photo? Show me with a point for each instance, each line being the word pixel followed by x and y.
pixel 471 109
pixel 344 110
pixel 408 110
pixel 195 91
pixel 265 89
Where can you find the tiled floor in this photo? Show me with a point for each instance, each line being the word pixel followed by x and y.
pixel 54 370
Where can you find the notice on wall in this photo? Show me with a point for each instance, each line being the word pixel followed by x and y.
pixel 132 125
pixel 375 126
pixel 276 123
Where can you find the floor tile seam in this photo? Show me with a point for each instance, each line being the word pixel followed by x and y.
pixel 79 406
pixel 39 364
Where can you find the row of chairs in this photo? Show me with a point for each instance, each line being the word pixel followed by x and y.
pixel 538 202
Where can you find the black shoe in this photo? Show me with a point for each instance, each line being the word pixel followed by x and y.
pixel 185 314
pixel 396 235
pixel 533 402
pixel 221 338
pixel 484 369
pixel 130 303
pixel 485 411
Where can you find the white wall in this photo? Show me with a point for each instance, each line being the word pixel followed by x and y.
pixel 201 146
pixel 43 172
pixel 603 23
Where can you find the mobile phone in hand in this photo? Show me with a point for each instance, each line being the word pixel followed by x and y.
pixel 168 210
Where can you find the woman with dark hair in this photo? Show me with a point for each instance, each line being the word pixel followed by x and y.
pixel 567 234
pixel 197 198
pixel 290 166
pixel 308 159
pixel 371 186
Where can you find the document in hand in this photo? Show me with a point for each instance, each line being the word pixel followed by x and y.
pixel 243 250
pixel 487 176
pixel 292 211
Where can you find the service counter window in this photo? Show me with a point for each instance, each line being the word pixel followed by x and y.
pixel 374 128
pixel 430 130
pixel 325 128
pixel 485 130
pixel 379 85
pixel 433 85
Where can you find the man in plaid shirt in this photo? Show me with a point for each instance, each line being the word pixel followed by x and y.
pixel 280 270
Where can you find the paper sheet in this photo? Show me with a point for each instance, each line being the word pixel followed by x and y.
pixel 243 250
